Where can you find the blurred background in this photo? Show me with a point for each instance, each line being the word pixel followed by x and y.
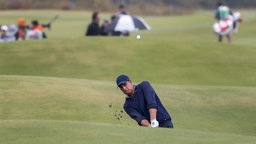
pixel 142 7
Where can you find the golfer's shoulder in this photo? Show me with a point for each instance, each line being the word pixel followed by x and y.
pixel 145 83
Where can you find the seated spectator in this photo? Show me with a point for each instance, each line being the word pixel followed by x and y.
pixel 93 28
pixel 113 32
pixel 22 30
pixel 12 30
pixel 36 31
pixel 4 36
pixel 103 28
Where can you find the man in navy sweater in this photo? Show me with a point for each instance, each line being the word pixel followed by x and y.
pixel 142 103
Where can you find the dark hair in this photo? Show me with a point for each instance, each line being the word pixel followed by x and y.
pixel 219 3
pixel 121 6
pixel 113 17
pixel 94 15
pixel 35 22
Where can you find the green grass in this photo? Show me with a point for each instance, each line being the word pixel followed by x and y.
pixel 59 90
pixel 96 133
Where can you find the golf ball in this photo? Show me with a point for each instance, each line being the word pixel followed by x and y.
pixel 138 36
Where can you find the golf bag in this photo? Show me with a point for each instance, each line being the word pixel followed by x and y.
pixel 228 25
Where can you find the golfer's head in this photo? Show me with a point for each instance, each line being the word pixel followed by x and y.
pixel 122 79
pixel 125 84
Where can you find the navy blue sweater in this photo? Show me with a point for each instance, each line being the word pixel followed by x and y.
pixel 137 106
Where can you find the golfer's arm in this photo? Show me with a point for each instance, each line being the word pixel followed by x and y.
pixel 145 122
pixel 152 112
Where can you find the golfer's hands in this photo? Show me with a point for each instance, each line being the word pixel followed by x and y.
pixel 154 123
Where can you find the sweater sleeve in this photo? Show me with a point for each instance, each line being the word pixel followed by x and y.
pixel 149 94
pixel 134 114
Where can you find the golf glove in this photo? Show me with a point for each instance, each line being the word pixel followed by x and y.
pixel 154 123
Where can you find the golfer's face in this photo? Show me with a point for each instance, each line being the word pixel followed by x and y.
pixel 127 88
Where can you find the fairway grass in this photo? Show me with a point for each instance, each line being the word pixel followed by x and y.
pixel 66 132
pixel 160 60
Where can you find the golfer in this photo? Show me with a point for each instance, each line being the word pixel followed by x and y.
pixel 142 104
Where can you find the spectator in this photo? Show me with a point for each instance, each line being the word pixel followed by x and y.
pixel 4 36
pixel 113 32
pixel 36 26
pixel 36 31
pixel 121 10
pixel 93 28
pixel 12 30
pixel 22 30
pixel 103 28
